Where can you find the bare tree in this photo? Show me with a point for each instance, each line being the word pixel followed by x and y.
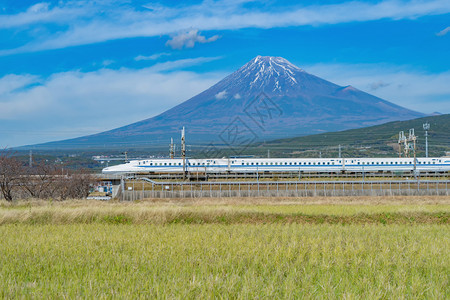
pixel 73 184
pixel 10 174
pixel 81 183
pixel 39 181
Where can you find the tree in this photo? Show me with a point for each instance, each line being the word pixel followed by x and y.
pixel 10 174
pixel 39 181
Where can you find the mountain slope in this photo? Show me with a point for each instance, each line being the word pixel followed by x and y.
pixel 265 99
pixel 379 140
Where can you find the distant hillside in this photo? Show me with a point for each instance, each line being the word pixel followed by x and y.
pixel 379 140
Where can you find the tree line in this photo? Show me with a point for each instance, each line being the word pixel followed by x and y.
pixel 41 181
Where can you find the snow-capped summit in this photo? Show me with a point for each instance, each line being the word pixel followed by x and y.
pixel 274 76
pixel 268 71
pixel 267 98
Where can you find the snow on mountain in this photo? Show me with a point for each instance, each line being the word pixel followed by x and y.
pixel 267 98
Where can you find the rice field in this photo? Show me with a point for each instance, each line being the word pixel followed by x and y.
pixel 211 249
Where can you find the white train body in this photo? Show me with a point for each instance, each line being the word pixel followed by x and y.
pixel 253 165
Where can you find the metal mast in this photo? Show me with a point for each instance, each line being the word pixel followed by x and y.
pixel 402 144
pixel 412 138
pixel 426 127
pixel 183 152
pixel 172 149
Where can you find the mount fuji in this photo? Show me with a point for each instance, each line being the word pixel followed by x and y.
pixel 267 98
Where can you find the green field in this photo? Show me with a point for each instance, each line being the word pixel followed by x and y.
pixel 231 248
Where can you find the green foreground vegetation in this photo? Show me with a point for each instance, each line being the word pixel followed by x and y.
pixel 230 248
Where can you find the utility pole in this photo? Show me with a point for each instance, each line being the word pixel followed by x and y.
pixel 339 150
pixel 31 159
pixel 412 138
pixel 268 153
pixel 401 143
pixel 426 127
pixel 183 152
pixel 172 149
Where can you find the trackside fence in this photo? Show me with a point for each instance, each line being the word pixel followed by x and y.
pixel 136 190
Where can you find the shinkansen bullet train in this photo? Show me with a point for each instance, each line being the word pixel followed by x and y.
pixel 253 165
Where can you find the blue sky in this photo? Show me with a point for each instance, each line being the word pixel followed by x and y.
pixel 71 68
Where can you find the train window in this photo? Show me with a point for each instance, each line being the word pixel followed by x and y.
pixel 242 163
pixel 290 163
pixel 257 163
pixel 179 164
pixel 151 164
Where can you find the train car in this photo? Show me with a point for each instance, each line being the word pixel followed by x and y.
pixel 254 165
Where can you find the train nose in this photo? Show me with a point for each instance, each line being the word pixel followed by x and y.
pixel 106 170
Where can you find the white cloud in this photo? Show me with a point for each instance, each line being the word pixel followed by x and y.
pixel 377 85
pixel 443 32
pixel 187 39
pixel 85 22
pixel 237 96
pixel 10 83
pixel 41 13
pixel 71 104
pixel 151 57
pixel 221 95
pixel 420 91
pixel 183 63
